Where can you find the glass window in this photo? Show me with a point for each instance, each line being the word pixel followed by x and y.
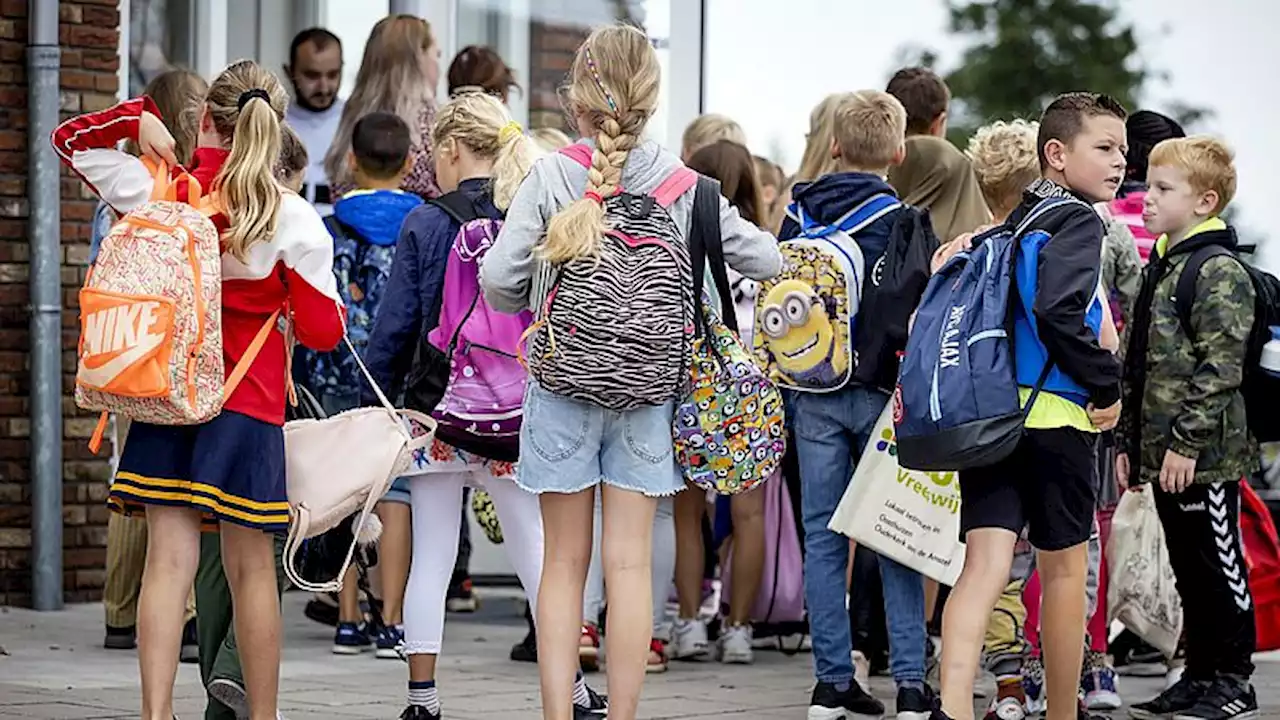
pixel 160 39
pixel 538 38
pixel 352 22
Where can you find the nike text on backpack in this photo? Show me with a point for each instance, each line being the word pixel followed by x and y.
pixel 341 465
pixel 957 405
pixel 467 373
pixel 151 314
pixel 728 429
pixel 616 327
pixel 806 317
pixel 1261 386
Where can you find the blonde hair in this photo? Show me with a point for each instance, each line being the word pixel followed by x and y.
pixel 482 123
pixel 711 128
pixel 391 79
pixel 549 139
pixel 614 84
pixel 1005 161
pixel 817 160
pixel 1208 163
pixel 870 128
pixel 246 104
pixel 177 95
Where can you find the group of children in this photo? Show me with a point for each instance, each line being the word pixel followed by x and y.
pixel 375 270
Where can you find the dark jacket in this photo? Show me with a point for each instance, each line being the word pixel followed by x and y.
pixel 1184 393
pixel 1067 284
pixel 410 305
pixel 831 196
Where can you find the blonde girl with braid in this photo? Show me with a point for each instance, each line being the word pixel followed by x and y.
pixel 569 447
pixel 277 256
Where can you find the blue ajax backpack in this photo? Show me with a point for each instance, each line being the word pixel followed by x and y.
pixel 956 405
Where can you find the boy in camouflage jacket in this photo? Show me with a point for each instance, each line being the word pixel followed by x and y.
pixel 1183 429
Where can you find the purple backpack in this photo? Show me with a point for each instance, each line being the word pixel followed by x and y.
pixel 480 410
pixel 779 602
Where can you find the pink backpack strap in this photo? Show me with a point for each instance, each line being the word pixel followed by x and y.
pixel 579 153
pixel 676 184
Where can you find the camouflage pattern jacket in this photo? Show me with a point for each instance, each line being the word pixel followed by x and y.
pixel 1183 394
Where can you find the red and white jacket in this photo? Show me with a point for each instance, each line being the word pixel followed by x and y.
pixel 293 270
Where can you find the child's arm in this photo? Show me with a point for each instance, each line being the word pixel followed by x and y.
pixel 508 269
pixel 748 249
pixel 1221 320
pixel 306 250
pixel 1068 282
pixel 88 145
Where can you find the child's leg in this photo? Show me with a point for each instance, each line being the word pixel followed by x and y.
pixel 593 592
pixel 394 550
pixel 249 559
pixel 988 557
pixel 1063 575
pixel 627 551
pixel 904 613
pixel 126 555
pixel 664 563
pixel 521 520
pixel 173 553
pixel 566 522
pixel 747 554
pixel 690 506
pixel 1005 645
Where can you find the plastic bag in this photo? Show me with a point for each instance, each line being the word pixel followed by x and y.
pixel 1143 593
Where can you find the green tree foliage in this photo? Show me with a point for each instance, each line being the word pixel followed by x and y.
pixel 1026 52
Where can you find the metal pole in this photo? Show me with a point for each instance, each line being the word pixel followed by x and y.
pixel 43 61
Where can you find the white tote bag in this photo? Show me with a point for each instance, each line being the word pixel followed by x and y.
pixel 908 516
pixel 1142 592
pixel 344 464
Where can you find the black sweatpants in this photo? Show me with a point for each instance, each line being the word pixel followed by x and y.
pixel 1202 532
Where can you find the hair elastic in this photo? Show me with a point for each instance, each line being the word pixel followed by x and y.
pixel 509 132
pixel 248 95
pixel 594 196
pixel 595 74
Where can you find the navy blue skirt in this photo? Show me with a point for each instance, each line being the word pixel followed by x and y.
pixel 230 468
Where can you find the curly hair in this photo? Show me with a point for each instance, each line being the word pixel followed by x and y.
pixel 1005 159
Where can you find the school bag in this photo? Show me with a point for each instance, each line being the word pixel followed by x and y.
pixel 806 317
pixel 363 270
pixel 150 344
pixel 956 405
pixel 615 329
pixel 468 375
pixel 728 429
pixel 1261 386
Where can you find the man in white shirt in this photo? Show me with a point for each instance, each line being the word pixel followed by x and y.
pixel 315 69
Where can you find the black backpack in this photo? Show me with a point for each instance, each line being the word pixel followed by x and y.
pixel 1261 389
pixel 890 292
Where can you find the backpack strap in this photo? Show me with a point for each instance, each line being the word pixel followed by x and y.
pixel 250 354
pixel 1043 207
pixel 457 205
pixel 677 184
pixel 706 245
pixel 579 153
pixel 1184 293
pixel 852 222
pixel 336 227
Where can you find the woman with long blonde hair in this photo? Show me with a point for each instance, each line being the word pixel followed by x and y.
pixel 398 74
pixel 817 159
pixel 570 446
pixel 276 254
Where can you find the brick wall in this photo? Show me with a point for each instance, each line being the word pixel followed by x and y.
pixel 89 35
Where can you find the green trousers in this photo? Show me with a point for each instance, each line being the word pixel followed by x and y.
pixel 215 624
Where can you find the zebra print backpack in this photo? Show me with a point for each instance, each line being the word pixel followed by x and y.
pixel 616 329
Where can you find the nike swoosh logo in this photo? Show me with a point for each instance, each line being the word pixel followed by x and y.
pixel 102 376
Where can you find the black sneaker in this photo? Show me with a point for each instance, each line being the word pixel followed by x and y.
pixel 121 638
pixel 325 613
pixel 1181 697
pixel 232 694
pixel 190 643
pixel 597 707
pixel 828 703
pixel 418 712
pixel 914 704
pixel 527 649
pixel 1226 699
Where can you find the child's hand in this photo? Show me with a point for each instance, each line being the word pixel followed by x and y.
pixel 946 250
pixel 1122 470
pixel 1106 418
pixel 154 139
pixel 1177 473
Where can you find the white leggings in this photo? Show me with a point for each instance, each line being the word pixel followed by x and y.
pixel 435 499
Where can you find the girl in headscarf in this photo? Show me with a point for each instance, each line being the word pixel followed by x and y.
pixel 939 178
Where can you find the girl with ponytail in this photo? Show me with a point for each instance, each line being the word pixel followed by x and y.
pixel 277 256
pixel 568 447
pixel 481 156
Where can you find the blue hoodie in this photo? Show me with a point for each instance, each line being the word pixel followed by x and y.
pixel 831 196
pixel 365 225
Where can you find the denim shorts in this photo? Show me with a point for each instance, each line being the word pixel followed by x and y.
pixel 334 403
pixel 568 445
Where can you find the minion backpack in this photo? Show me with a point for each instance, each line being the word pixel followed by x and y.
pixel 806 317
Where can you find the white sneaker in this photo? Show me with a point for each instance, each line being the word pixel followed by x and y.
pixel 861 669
pixel 735 645
pixel 690 640
pixel 1176 669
